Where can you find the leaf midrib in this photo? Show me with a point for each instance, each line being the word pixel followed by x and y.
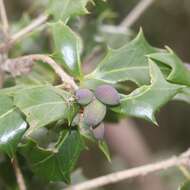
pixel 44 104
pixel 7 113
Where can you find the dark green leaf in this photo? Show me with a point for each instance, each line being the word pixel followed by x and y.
pixel 57 163
pixel 12 126
pixel 179 73
pixel 67 48
pixel 126 63
pixel 146 100
pixel 43 105
pixel 64 9
pixel 185 186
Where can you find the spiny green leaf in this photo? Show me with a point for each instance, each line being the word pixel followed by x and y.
pixel 126 63
pixel 64 9
pixel 12 126
pixel 179 73
pixel 104 148
pixel 185 186
pixel 68 47
pixel 55 164
pixel 43 105
pixel 146 100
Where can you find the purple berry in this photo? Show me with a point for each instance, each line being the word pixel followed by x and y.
pixel 94 113
pixel 99 131
pixel 84 96
pixel 107 95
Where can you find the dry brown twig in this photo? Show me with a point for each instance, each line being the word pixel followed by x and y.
pixel 19 175
pixel 137 11
pixel 28 29
pixel 130 19
pixel 4 19
pixel 23 65
pixel 183 159
pixel 127 133
pixel 4 47
pixel 5 31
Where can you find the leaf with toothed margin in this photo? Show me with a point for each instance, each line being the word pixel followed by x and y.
pixel 146 100
pixel 54 164
pixel 126 63
pixel 179 73
pixel 65 9
pixel 44 104
pixel 67 47
pixel 12 126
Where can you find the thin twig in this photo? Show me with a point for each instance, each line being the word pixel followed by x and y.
pixel 130 19
pixel 4 18
pixel 133 16
pixel 28 29
pixel 5 30
pixel 28 59
pixel 183 159
pixel 126 132
pixel 19 175
pixel 22 33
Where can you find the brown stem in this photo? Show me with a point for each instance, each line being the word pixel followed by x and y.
pixel 125 132
pixel 19 175
pixel 4 47
pixel 28 29
pixel 4 18
pixel 183 159
pixel 66 79
pixel 133 16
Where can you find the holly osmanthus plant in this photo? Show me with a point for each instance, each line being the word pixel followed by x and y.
pixel 49 122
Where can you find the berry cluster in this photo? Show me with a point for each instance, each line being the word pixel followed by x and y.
pixel 94 106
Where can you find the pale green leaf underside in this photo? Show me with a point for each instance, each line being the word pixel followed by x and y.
pixel 146 100
pixel 12 126
pixel 42 105
pixel 57 164
pixel 67 48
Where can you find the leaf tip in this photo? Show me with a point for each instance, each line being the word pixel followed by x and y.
pixel 169 49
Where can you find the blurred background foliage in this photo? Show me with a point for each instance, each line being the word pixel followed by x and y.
pixel 166 22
